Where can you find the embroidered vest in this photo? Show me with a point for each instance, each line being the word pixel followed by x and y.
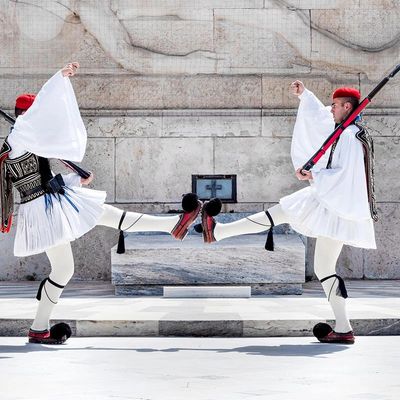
pixel 25 176
pixel 369 161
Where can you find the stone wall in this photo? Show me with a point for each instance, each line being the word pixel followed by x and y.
pixel 174 88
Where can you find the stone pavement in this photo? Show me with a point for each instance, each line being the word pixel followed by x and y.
pixel 200 368
pixel 93 310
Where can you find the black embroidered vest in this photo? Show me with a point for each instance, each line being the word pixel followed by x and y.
pixel 369 161
pixel 25 176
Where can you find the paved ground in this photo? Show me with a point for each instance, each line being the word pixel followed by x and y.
pixel 200 368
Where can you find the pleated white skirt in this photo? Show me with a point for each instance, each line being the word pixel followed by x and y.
pixel 51 220
pixel 310 217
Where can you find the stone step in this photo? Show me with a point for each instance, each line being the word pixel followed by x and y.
pixel 207 291
pixel 153 316
pixel 154 261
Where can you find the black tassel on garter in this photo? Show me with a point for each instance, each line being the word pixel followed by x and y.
pixel 39 292
pixel 121 239
pixel 341 289
pixel 269 244
pixel 121 243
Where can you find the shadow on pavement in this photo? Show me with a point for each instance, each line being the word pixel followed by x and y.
pixel 285 350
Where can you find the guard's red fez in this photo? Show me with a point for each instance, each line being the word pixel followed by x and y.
pixel 24 101
pixel 346 92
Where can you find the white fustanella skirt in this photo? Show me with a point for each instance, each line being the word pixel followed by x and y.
pixel 51 219
pixel 309 216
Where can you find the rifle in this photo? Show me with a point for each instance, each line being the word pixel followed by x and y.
pixel 349 119
pixel 80 171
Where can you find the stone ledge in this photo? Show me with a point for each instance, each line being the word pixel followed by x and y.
pixel 256 289
pixel 203 328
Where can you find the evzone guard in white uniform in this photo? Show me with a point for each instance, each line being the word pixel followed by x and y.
pixel 55 210
pixel 337 208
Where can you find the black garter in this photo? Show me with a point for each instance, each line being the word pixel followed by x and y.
pixel 41 286
pixel 341 289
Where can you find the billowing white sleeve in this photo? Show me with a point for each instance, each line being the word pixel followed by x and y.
pixel 52 127
pixel 343 189
pixel 314 123
pixel 72 180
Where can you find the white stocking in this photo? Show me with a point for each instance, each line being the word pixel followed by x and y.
pixel 62 269
pixel 255 223
pixel 327 252
pixel 136 222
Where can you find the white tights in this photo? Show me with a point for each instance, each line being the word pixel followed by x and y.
pixel 136 222
pixel 62 269
pixel 62 260
pixel 327 252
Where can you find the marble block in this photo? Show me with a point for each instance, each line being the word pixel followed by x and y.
pixel 152 262
pixel 206 291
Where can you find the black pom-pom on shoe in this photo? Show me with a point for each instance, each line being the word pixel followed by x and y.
pixel 190 202
pixel 213 207
pixel 61 331
pixel 198 228
pixel 321 330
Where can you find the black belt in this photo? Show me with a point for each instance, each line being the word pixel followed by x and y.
pixel 28 195
pixel 53 186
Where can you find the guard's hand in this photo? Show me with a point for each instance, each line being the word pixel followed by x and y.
pixel 297 88
pixel 70 69
pixel 306 176
pixel 87 181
